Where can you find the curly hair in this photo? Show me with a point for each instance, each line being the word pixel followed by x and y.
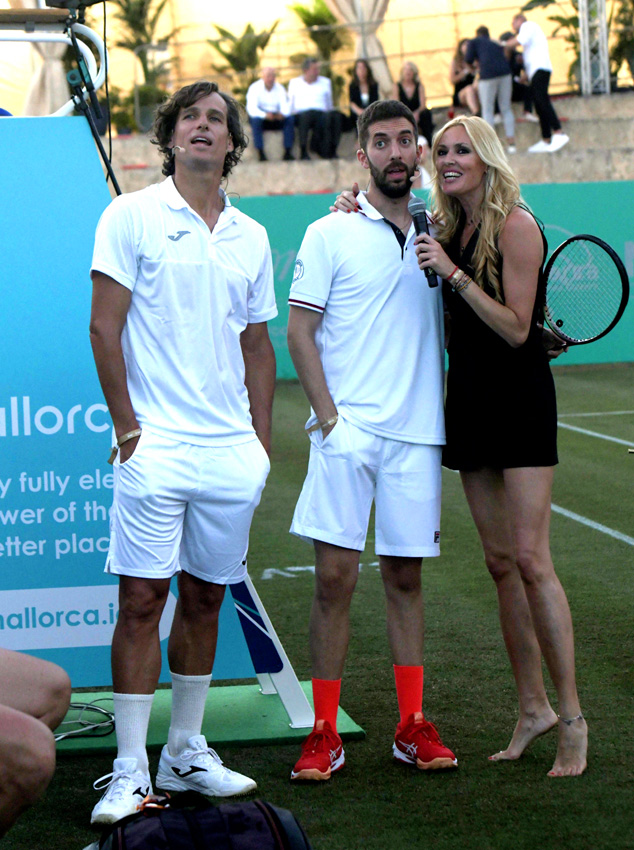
pixel 501 194
pixel 167 116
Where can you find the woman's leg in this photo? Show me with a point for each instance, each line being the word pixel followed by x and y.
pixel 485 494
pixel 528 494
pixel 468 97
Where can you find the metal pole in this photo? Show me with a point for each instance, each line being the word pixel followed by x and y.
pixel 593 47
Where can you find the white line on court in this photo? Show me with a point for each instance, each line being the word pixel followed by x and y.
pixel 595 434
pixel 601 413
pixel 595 525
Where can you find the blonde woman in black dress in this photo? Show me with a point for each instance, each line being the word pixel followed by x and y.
pixel 501 417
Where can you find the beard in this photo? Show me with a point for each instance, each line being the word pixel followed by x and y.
pixel 388 187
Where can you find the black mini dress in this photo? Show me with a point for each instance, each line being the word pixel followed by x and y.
pixel 501 410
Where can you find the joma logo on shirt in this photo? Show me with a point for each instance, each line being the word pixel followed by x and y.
pixel 179 235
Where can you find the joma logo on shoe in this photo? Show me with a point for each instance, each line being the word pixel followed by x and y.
pixel 192 769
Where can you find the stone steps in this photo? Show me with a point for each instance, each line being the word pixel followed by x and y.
pixel 601 147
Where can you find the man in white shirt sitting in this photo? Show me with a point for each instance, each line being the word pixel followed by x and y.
pixel 268 109
pixel 310 97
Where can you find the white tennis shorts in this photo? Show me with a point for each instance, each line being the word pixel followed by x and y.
pixel 177 506
pixel 349 469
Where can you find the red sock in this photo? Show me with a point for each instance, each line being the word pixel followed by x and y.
pixel 326 699
pixel 409 689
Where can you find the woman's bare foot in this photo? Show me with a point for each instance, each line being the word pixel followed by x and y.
pixel 572 747
pixel 529 727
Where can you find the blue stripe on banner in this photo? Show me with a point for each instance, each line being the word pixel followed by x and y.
pixel 264 654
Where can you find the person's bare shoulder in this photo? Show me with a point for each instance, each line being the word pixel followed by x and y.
pixel 520 225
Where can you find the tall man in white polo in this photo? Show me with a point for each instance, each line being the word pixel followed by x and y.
pixel 365 333
pixel 182 291
pixel 268 109
pixel 538 67
pixel 310 97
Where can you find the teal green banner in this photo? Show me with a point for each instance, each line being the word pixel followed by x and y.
pixel 565 209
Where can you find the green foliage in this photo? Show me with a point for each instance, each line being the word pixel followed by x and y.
pixel 135 111
pixel 242 54
pixel 620 27
pixel 568 23
pixel 323 28
pixel 623 30
pixel 140 19
pixel 121 110
pixel 325 32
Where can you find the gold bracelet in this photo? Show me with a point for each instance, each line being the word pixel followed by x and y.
pixel 457 274
pixel 463 284
pixel 121 440
pixel 322 425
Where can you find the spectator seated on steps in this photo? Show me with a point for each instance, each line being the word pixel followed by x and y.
pixel 268 109
pixel 310 96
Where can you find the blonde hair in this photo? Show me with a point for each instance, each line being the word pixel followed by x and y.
pixel 501 194
pixel 414 68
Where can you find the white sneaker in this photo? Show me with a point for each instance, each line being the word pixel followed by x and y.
pixel 558 141
pixel 540 147
pixel 511 149
pixel 199 768
pixel 528 116
pixel 126 787
pixel 497 118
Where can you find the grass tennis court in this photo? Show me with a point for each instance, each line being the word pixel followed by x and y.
pixel 376 804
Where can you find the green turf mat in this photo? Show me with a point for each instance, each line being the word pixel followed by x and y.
pixel 234 714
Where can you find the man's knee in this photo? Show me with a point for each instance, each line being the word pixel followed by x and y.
pixel 141 601
pixel 401 575
pixel 57 697
pixel 336 573
pixel 28 759
pixel 199 598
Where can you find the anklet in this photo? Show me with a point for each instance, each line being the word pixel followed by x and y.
pixel 570 720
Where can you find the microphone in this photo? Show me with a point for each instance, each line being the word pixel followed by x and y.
pixel 418 211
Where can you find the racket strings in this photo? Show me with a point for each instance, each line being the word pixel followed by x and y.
pixel 584 291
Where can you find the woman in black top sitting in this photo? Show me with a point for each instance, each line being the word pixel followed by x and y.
pixel 363 90
pixel 410 91
pixel 465 92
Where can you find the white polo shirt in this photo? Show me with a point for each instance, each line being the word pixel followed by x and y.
pixel 535 48
pixel 303 95
pixel 261 100
pixel 381 339
pixel 193 293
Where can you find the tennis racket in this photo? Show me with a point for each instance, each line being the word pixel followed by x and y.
pixel 586 289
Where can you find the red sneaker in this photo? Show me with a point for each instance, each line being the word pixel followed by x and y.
pixel 418 743
pixel 322 754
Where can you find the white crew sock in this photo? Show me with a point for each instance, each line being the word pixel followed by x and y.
pixel 132 718
pixel 189 694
